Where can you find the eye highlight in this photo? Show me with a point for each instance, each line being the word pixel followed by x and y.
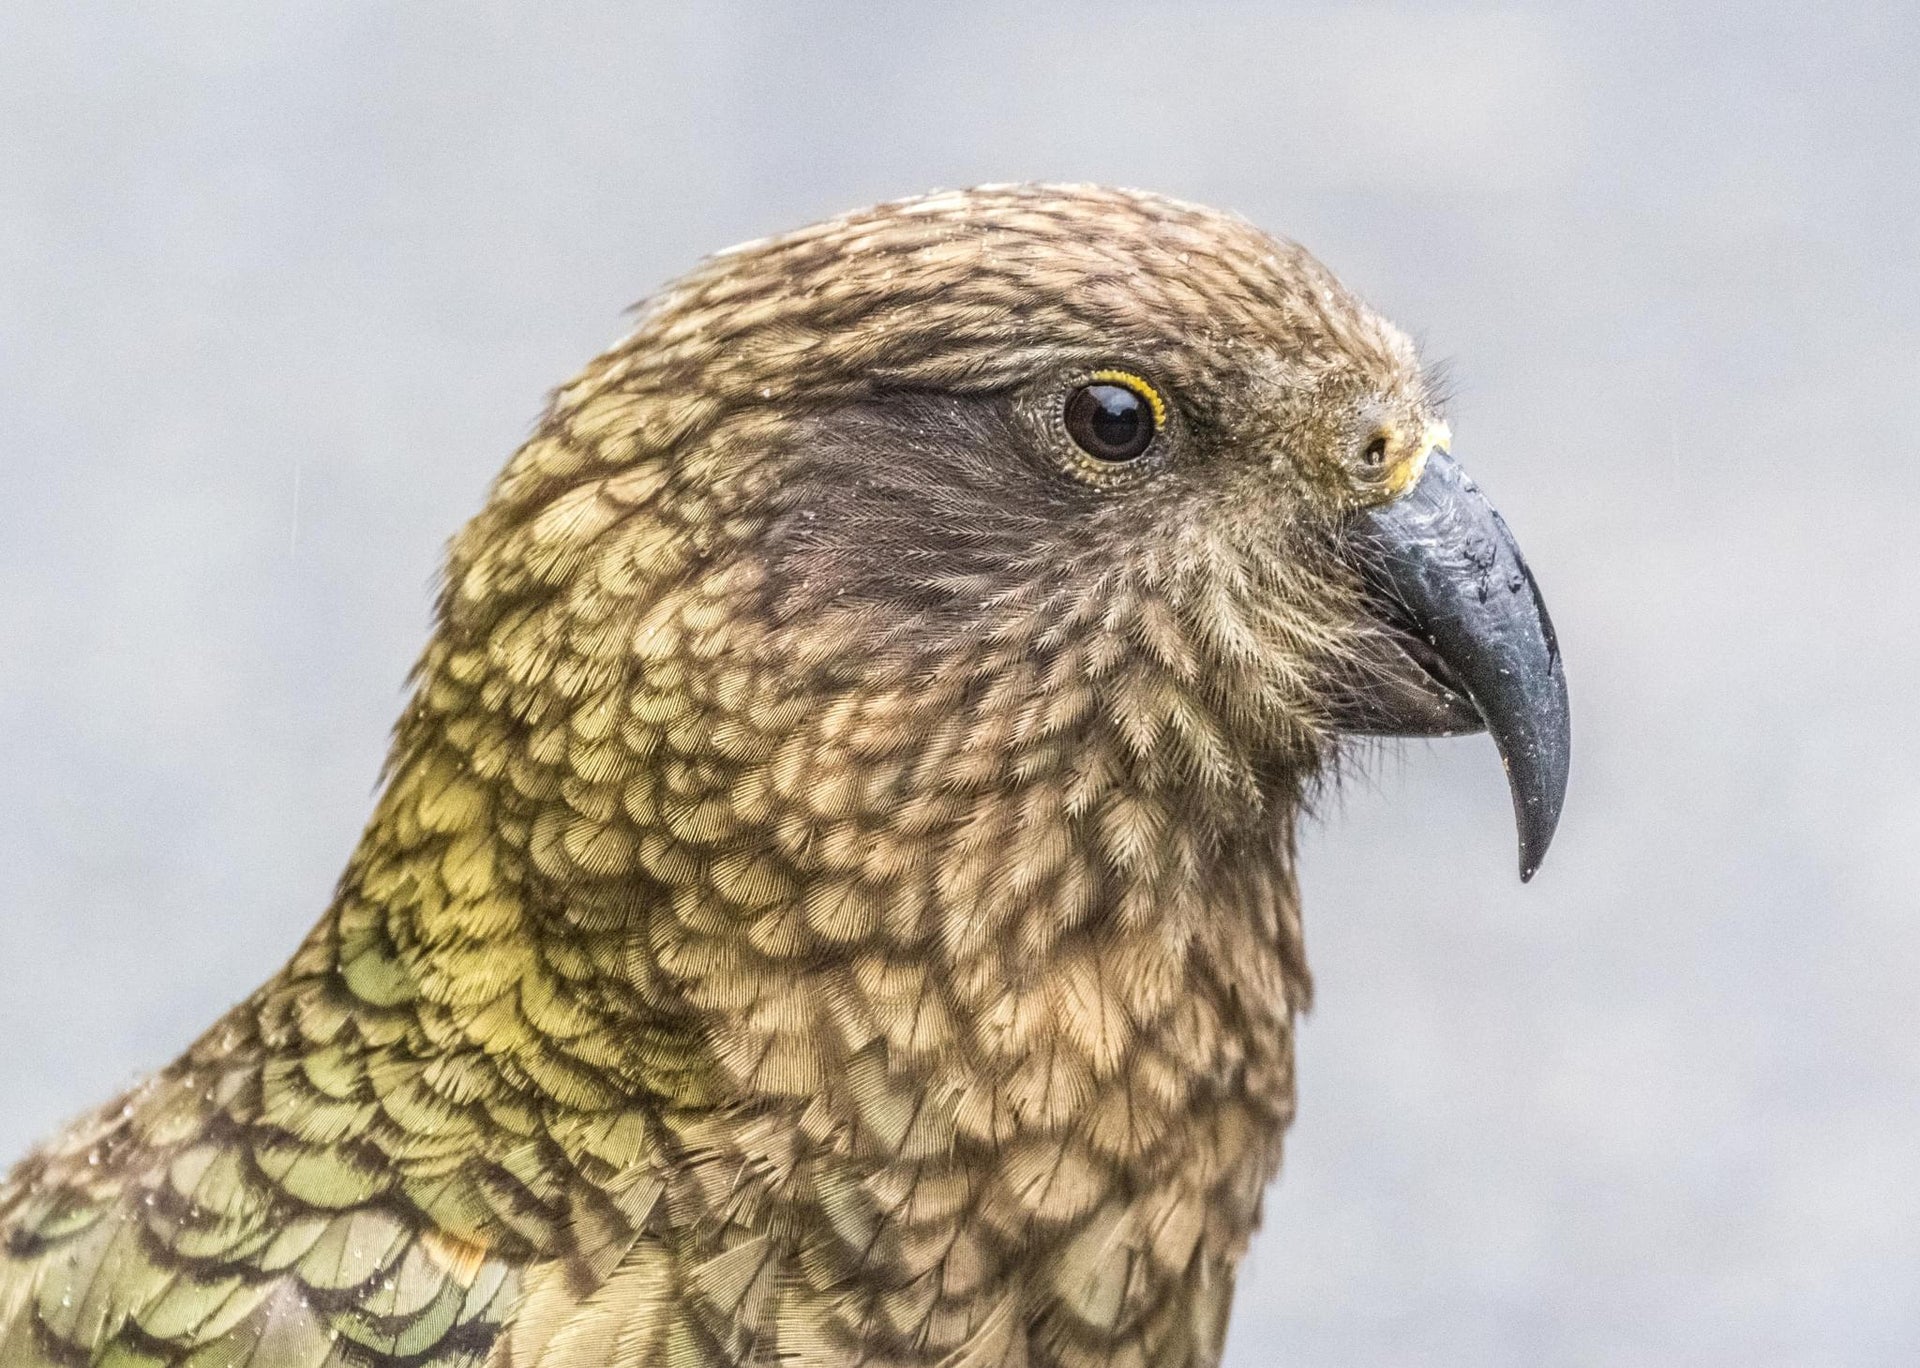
pixel 1113 416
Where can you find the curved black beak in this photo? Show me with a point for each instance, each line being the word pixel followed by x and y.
pixel 1465 642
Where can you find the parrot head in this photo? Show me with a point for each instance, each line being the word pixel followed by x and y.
pixel 993 476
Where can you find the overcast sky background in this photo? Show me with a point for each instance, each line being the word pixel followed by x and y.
pixel 282 285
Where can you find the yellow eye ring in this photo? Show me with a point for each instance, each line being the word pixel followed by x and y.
pixel 1113 416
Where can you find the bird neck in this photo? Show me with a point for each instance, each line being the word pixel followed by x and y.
pixel 781 864
pixel 938 925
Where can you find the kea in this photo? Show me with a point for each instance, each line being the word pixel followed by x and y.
pixel 831 899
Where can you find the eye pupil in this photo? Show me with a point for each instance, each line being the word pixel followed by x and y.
pixel 1110 422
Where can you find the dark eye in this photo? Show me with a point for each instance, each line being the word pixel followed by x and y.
pixel 1113 418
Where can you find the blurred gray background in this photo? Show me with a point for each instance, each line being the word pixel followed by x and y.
pixel 282 285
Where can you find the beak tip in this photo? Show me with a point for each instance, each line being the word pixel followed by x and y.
pixel 1533 853
pixel 1540 787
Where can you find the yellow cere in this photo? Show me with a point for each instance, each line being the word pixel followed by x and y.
pixel 1139 387
pixel 1404 472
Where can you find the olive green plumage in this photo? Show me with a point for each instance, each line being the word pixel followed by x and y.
pixel 832 898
